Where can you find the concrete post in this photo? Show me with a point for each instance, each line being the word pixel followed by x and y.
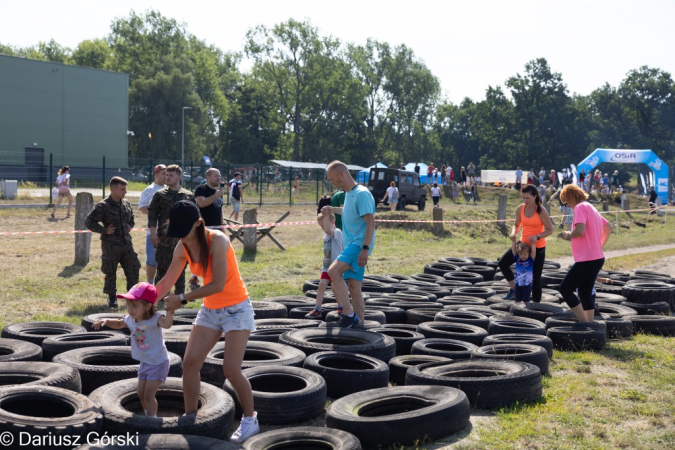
pixel 249 236
pixel 84 203
pixel 626 204
pixel 438 217
pixel 605 205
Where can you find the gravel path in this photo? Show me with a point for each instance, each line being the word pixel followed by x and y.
pixel 661 267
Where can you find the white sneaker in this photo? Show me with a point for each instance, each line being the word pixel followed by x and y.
pixel 247 428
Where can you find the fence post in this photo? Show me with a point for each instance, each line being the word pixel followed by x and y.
pixel 84 203
pixel 501 210
pixel 616 221
pixel 227 177
pixel 260 179
pixel 249 235
pixel 438 221
pixel 49 177
pixel 316 175
pixel 103 179
pixel 290 186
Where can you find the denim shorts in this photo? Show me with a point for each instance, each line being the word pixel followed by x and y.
pixel 231 318
pixel 236 204
pixel 350 255
pixel 152 372
pixel 150 253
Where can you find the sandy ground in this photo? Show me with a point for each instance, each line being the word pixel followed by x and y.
pixel 667 265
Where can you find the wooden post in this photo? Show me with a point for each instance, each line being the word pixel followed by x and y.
pixel 250 241
pixel 626 204
pixel 605 205
pixel 84 203
pixel 501 210
pixel 438 217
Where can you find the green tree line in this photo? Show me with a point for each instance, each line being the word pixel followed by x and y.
pixel 311 97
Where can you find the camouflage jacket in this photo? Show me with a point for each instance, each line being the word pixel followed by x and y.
pixel 161 203
pixel 109 212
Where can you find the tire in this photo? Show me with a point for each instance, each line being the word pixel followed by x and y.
pixel 265 324
pixel 176 342
pixel 426 277
pixel 613 299
pixel 88 321
pixel 167 442
pixel 375 286
pixel 284 395
pixel 399 365
pixel 456 261
pixel 615 310
pixel 36 332
pixel 36 373
pixel 301 312
pixel 419 285
pixel 55 345
pixel 99 366
pixel 348 373
pixel 472 278
pixel 257 354
pixel 268 335
pixel 462 301
pixel 441 268
pixel 532 354
pixel 416 305
pixel 456 283
pixel 478 261
pixel 652 309
pixel 269 310
pixel 520 325
pixel 474 291
pixel 486 271
pixel 484 310
pixel 421 204
pixel 291 301
pixel 530 339
pixel 659 325
pixel 577 337
pixel 470 318
pixel 312 341
pixel 124 414
pixel 420 315
pixel 376 316
pixel 14 350
pixel 487 384
pixel 367 325
pixel 392 315
pixel 404 339
pixel 447 348
pixel 401 204
pixel 410 296
pixel 456 331
pixel 401 415
pixel 304 437
pixel 647 293
pixel 536 311
pixel 503 306
pixel 618 328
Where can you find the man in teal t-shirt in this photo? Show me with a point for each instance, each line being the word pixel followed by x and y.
pixel 358 231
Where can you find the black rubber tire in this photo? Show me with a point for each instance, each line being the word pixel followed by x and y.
pixel 290 301
pixel 647 293
pixel 456 331
pixel 268 334
pixel 618 328
pixel 440 268
pixel 615 310
pixel 167 442
pixel 529 339
pixel 376 316
pixel 401 415
pixel 418 285
pixel 658 325
pixel 124 414
pixel 55 345
pixel 447 348
pixel 478 261
pixel 420 315
pixel 536 311
pixel 99 366
pixel 14 350
pixel 416 305
pixel 36 332
pixel 614 299
pixel 382 279
pixel 88 321
pixel 375 286
pixel 311 285
pixel 456 261
pixel 503 307
pixel 484 310
pixel 532 354
pixel 37 373
pixel 304 438
pixel 577 337
pixel 487 384
pixel 367 343
pixel 266 324
pixel 185 316
pixel 46 412
pixel 474 291
pixel 486 271
pixel 652 309
pixel 367 325
pixel 520 325
pixel 470 318
pixel 257 354
pixel 392 314
pixel 269 310
pixel 461 301
pixel 399 365
pixel 472 278
pixel 411 296
pixel 404 339
pixel 348 373
pixel 427 277
pixel 421 204
pixel 284 395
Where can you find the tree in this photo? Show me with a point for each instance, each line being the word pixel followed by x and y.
pixel 94 54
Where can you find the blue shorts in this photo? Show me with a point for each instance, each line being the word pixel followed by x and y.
pixel 150 253
pixel 350 255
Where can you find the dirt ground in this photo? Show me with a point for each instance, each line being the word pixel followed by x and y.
pixel 666 265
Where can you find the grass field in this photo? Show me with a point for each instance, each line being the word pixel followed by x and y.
pixel 621 397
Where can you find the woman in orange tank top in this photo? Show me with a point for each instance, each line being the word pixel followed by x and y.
pixel 536 225
pixel 226 309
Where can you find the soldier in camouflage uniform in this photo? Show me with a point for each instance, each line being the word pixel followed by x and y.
pixel 158 217
pixel 117 219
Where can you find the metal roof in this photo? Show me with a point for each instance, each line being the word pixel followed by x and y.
pixel 307 165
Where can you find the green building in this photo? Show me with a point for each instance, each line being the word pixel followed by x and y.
pixel 76 114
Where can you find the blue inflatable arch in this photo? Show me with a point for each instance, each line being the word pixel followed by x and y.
pixel 647 157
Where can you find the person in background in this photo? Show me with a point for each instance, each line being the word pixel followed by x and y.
pixel 391 195
pixel 614 181
pixel 236 195
pixel 435 194
pixel 605 183
pixel 553 180
pixel 417 168
pixel 463 176
pixel 471 171
pixel 542 174
pixel 430 173
pixel 582 179
pixel 651 201
pixel 209 198
pixel 337 200
pixel 451 175
pixel 159 172
pixel 519 178
pixel 332 247
pixel 530 177
pixel 455 192
pixel 296 185
pixel 63 190
pixel 444 172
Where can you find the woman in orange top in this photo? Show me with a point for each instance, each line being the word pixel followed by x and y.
pixel 226 309
pixel 536 225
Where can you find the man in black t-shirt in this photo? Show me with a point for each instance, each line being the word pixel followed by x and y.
pixel 209 198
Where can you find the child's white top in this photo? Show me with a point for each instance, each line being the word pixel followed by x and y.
pixel 435 192
pixel 61 179
pixel 332 247
pixel 147 341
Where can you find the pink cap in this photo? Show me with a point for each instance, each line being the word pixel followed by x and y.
pixel 141 291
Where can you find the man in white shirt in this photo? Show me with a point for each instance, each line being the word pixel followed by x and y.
pixel 146 196
pixel 236 195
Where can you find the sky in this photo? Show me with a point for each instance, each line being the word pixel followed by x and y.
pixel 469 45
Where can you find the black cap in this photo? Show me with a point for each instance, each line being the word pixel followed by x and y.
pixel 182 217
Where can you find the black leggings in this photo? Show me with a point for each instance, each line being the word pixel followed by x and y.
pixel 581 276
pixel 505 266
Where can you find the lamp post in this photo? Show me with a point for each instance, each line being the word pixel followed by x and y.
pixel 182 150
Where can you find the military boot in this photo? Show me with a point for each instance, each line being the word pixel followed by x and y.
pixel 112 301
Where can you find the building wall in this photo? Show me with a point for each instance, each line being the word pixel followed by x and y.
pixel 76 113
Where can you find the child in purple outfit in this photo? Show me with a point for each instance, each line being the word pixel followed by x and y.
pixel 524 259
pixel 147 342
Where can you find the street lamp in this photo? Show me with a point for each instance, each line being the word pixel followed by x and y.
pixel 182 149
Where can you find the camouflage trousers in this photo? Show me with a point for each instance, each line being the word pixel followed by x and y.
pixel 163 256
pixel 111 256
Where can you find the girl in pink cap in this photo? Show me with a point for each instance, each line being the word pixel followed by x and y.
pixel 147 341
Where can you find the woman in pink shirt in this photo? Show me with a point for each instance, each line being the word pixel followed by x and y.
pixel 588 237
